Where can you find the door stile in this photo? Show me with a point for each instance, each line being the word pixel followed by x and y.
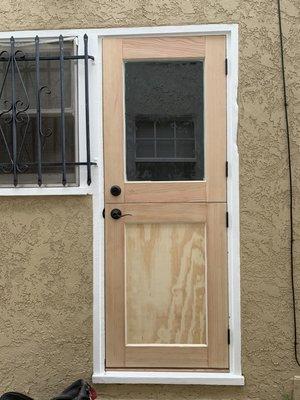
pixel 215 118
pixel 114 291
pixel 217 286
pixel 113 109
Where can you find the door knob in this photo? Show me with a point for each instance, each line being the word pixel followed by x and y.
pixel 117 214
pixel 115 190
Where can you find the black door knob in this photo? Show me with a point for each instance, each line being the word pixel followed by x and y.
pixel 115 190
pixel 116 213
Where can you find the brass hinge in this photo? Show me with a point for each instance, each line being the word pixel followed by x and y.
pixel 227 219
pixel 228 335
pixel 226 169
pixel 103 213
pixel 226 66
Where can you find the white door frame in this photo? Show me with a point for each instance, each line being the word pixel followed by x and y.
pixel 234 376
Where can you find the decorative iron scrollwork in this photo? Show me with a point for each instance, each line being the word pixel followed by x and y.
pixel 15 118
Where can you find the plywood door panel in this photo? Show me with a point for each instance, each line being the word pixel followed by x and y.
pixel 166 262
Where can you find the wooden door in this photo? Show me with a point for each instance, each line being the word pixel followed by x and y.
pixel 165 202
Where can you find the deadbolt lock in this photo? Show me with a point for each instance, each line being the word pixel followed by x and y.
pixel 115 190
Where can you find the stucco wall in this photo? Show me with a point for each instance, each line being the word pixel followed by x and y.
pixel 46 259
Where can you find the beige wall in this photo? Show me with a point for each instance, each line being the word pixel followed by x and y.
pixel 46 243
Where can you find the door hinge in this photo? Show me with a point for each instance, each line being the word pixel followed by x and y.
pixel 227 219
pixel 103 213
pixel 226 169
pixel 228 335
pixel 226 66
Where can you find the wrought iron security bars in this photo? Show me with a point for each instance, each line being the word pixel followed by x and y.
pixel 14 112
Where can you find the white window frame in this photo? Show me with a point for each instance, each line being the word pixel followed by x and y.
pixel 82 188
pixel 100 375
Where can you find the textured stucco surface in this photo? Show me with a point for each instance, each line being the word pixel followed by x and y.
pixel 46 300
pixel 46 259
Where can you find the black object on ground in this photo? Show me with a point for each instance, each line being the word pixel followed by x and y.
pixel 79 390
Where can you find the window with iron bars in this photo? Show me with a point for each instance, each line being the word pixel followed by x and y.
pixel 39 112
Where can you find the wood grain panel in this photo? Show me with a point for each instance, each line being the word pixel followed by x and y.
pixel 113 117
pixel 164 48
pixel 165 283
pixel 115 292
pixel 161 212
pixel 170 192
pixel 217 286
pixel 215 118
pixel 168 357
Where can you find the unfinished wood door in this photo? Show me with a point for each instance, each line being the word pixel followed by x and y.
pixel 165 202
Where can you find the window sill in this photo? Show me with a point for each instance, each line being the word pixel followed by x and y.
pixel 173 378
pixel 46 191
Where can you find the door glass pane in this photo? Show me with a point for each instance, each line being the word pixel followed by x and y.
pixel 165 283
pixel 144 149
pixel 165 129
pixel 165 148
pixel 164 120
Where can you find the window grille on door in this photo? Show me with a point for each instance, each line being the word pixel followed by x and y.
pixel 165 139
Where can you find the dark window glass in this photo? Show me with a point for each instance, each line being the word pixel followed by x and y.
pixel 164 120
pixel 50 111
